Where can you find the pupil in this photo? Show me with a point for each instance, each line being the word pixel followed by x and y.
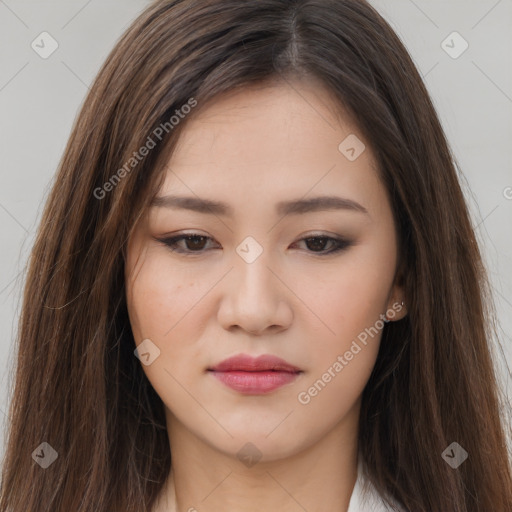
pixel 322 242
pixel 313 243
pixel 195 240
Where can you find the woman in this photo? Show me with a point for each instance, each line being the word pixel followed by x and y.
pixel 255 283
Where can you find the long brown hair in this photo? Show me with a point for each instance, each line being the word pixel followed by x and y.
pixel 78 385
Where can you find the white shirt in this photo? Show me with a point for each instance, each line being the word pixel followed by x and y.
pixel 365 497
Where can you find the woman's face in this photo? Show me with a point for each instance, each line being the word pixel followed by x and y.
pixel 262 274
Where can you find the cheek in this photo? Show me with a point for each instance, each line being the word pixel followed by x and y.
pixel 169 307
pixel 348 302
pixel 343 356
pixel 350 305
pixel 158 295
pixel 165 306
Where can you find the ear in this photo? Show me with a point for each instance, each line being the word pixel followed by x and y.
pixel 397 307
pixel 397 302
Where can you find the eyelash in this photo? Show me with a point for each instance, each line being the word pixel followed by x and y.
pixel 341 244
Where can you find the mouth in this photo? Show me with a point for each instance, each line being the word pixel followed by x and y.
pixel 255 376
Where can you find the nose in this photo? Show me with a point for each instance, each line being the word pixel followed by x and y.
pixel 255 298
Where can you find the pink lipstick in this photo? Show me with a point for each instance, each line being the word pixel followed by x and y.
pixel 255 376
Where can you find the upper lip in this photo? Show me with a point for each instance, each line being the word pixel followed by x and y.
pixel 247 363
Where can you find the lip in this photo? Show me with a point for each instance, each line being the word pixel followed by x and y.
pixel 247 363
pixel 255 375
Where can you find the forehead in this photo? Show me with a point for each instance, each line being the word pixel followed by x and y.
pixel 257 120
pixel 272 142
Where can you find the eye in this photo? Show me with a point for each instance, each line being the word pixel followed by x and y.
pixel 317 244
pixel 195 243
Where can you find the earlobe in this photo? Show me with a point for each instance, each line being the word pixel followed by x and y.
pixel 403 310
pixel 397 305
pixel 397 310
pixel 397 302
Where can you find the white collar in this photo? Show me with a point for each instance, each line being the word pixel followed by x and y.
pixel 364 495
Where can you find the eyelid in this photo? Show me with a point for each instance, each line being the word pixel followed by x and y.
pixel 341 243
pixel 166 240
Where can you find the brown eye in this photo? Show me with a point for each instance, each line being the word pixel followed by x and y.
pixel 193 243
pixel 318 244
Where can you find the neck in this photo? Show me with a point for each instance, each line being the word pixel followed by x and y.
pixel 317 478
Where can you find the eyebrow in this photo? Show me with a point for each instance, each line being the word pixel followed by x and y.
pixel 293 207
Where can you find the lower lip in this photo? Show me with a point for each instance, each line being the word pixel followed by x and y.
pixel 255 383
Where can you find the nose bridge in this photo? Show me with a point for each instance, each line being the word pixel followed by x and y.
pixel 253 279
pixel 255 299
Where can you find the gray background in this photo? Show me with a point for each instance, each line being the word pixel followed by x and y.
pixel 40 98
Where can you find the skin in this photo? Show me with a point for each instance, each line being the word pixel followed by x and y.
pixel 252 149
